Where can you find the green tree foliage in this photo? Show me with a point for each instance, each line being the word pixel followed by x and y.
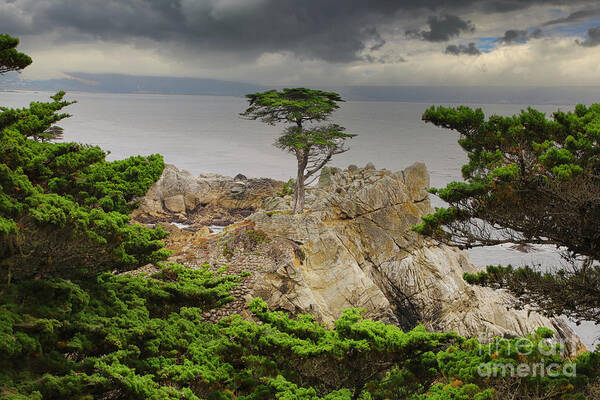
pixel 63 208
pixel 137 337
pixel 10 58
pixel 575 291
pixel 123 335
pixel 313 146
pixel 529 180
pixel 37 121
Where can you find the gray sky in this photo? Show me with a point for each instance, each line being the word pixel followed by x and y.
pixel 312 42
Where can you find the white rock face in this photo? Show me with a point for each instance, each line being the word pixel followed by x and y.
pixel 355 248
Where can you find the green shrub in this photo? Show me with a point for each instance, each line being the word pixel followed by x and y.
pixel 288 188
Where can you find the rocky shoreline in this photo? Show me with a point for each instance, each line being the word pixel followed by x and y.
pixel 353 247
pixel 204 200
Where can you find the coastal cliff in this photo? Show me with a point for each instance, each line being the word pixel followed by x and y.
pixel 353 247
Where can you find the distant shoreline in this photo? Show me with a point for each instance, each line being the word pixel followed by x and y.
pixel 442 100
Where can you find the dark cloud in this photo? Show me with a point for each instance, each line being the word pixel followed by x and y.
pixel 442 29
pixel 574 17
pixel 519 36
pixel 593 38
pixel 331 30
pixel 384 59
pixel 461 49
pixel 335 30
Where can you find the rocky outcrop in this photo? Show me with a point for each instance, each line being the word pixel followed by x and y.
pixel 357 250
pixel 353 247
pixel 208 199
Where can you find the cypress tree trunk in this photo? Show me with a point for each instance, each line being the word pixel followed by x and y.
pixel 302 157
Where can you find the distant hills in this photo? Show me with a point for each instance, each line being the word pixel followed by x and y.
pixel 475 94
pixel 118 83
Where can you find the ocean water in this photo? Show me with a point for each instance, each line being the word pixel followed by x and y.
pixel 205 134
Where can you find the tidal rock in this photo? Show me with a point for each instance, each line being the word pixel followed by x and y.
pixel 352 247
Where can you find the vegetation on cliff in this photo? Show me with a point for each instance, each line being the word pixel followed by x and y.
pixel 529 180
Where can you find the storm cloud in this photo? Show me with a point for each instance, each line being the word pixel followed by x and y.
pixel 337 31
pixel 442 29
pixel 461 49
pixel 308 42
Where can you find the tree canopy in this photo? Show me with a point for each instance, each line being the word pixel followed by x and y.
pixel 296 105
pixel 529 180
pixel 138 337
pixel 10 58
pixel 313 146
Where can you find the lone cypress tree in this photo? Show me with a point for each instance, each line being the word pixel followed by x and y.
pixel 314 146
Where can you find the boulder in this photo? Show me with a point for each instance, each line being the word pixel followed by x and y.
pixel 276 203
pixel 175 204
pixel 325 177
